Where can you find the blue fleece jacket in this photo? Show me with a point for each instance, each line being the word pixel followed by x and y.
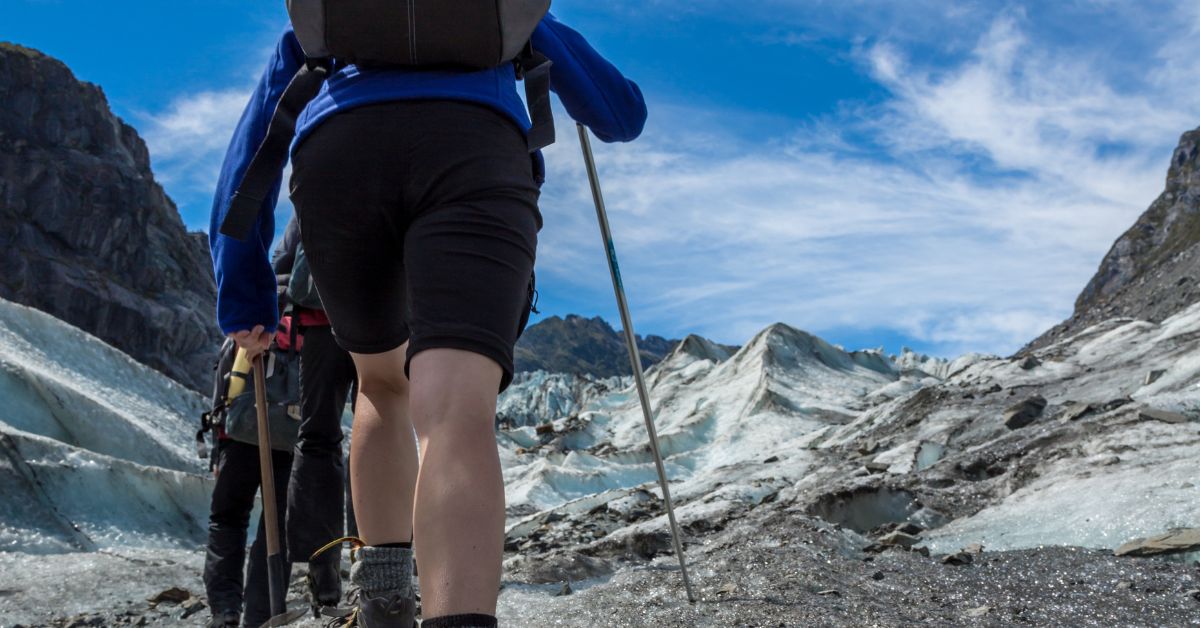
pixel 592 90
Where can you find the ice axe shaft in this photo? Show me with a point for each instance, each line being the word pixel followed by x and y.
pixel 631 344
pixel 266 471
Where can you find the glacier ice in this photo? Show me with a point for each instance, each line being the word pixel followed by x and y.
pixel 96 450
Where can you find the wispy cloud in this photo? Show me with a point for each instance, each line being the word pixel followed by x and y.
pixel 189 139
pixel 966 210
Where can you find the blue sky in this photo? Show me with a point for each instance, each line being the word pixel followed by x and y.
pixel 941 175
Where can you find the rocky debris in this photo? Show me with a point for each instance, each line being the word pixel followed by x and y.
pixel 1024 413
pixel 964 556
pixel 1149 272
pixel 647 545
pixel 1029 363
pixel 1077 411
pixel 557 565
pixel 1175 542
pixel 635 506
pixel 958 558
pixel 173 595
pixel 565 590
pixel 877 467
pixel 1153 376
pixel 780 567
pixel 86 234
pixel 899 539
pixel 1166 416
pixel 191 606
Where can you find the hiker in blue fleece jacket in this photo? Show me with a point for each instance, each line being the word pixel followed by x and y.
pixel 593 91
pixel 417 202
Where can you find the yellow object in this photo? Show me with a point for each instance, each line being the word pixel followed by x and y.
pixel 354 541
pixel 239 375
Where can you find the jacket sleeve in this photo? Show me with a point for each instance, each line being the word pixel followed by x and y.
pixel 245 280
pixel 594 91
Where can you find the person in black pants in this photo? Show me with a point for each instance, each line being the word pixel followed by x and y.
pixel 316 492
pixel 237 472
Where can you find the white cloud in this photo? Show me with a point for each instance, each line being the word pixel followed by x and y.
pixel 188 140
pixel 984 197
pixel 966 210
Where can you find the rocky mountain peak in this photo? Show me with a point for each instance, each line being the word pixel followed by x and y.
pixel 783 346
pixel 583 346
pixel 1152 270
pixel 86 234
pixel 702 348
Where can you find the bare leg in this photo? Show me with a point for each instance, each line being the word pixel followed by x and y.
pixel 460 490
pixel 383 457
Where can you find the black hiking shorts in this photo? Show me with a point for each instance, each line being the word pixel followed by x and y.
pixel 419 220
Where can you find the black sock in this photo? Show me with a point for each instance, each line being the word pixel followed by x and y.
pixel 473 620
pixel 395 545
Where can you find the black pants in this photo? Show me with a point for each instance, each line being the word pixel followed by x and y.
pixel 315 495
pixel 419 221
pixel 232 500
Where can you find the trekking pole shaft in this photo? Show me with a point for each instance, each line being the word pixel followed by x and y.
pixel 266 470
pixel 631 344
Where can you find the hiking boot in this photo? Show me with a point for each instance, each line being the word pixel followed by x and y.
pixel 324 585
pixel 396 611
pixel 226 619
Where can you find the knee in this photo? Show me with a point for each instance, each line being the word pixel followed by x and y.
pixel 442 414
pixel 382 383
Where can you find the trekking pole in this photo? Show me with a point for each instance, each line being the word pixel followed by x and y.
pixel 631 344
pixel 267 473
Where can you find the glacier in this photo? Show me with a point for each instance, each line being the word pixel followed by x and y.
pixel 790 453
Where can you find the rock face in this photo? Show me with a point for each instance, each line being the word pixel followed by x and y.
pixel 583 346
pixel 86 234
pixel 1153 269
pixel 1175 542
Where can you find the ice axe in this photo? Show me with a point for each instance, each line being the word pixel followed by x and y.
pixel 266 471
pixel 631 344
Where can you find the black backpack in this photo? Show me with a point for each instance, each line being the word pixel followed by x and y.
pixel 467 34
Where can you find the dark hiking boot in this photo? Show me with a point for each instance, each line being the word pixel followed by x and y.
pixel 324 585
pixel 226 619
pixel 396 611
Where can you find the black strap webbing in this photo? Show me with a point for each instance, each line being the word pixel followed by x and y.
pixel 535 68
pixel 272 154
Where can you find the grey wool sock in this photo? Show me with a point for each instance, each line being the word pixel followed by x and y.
pixel 383 571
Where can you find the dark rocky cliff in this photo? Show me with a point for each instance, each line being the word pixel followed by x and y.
pixel 583 346
pixel 1152 270
pixel 86 234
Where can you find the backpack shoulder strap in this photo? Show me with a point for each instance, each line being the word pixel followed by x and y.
pixel 272 154
pixel 534 68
